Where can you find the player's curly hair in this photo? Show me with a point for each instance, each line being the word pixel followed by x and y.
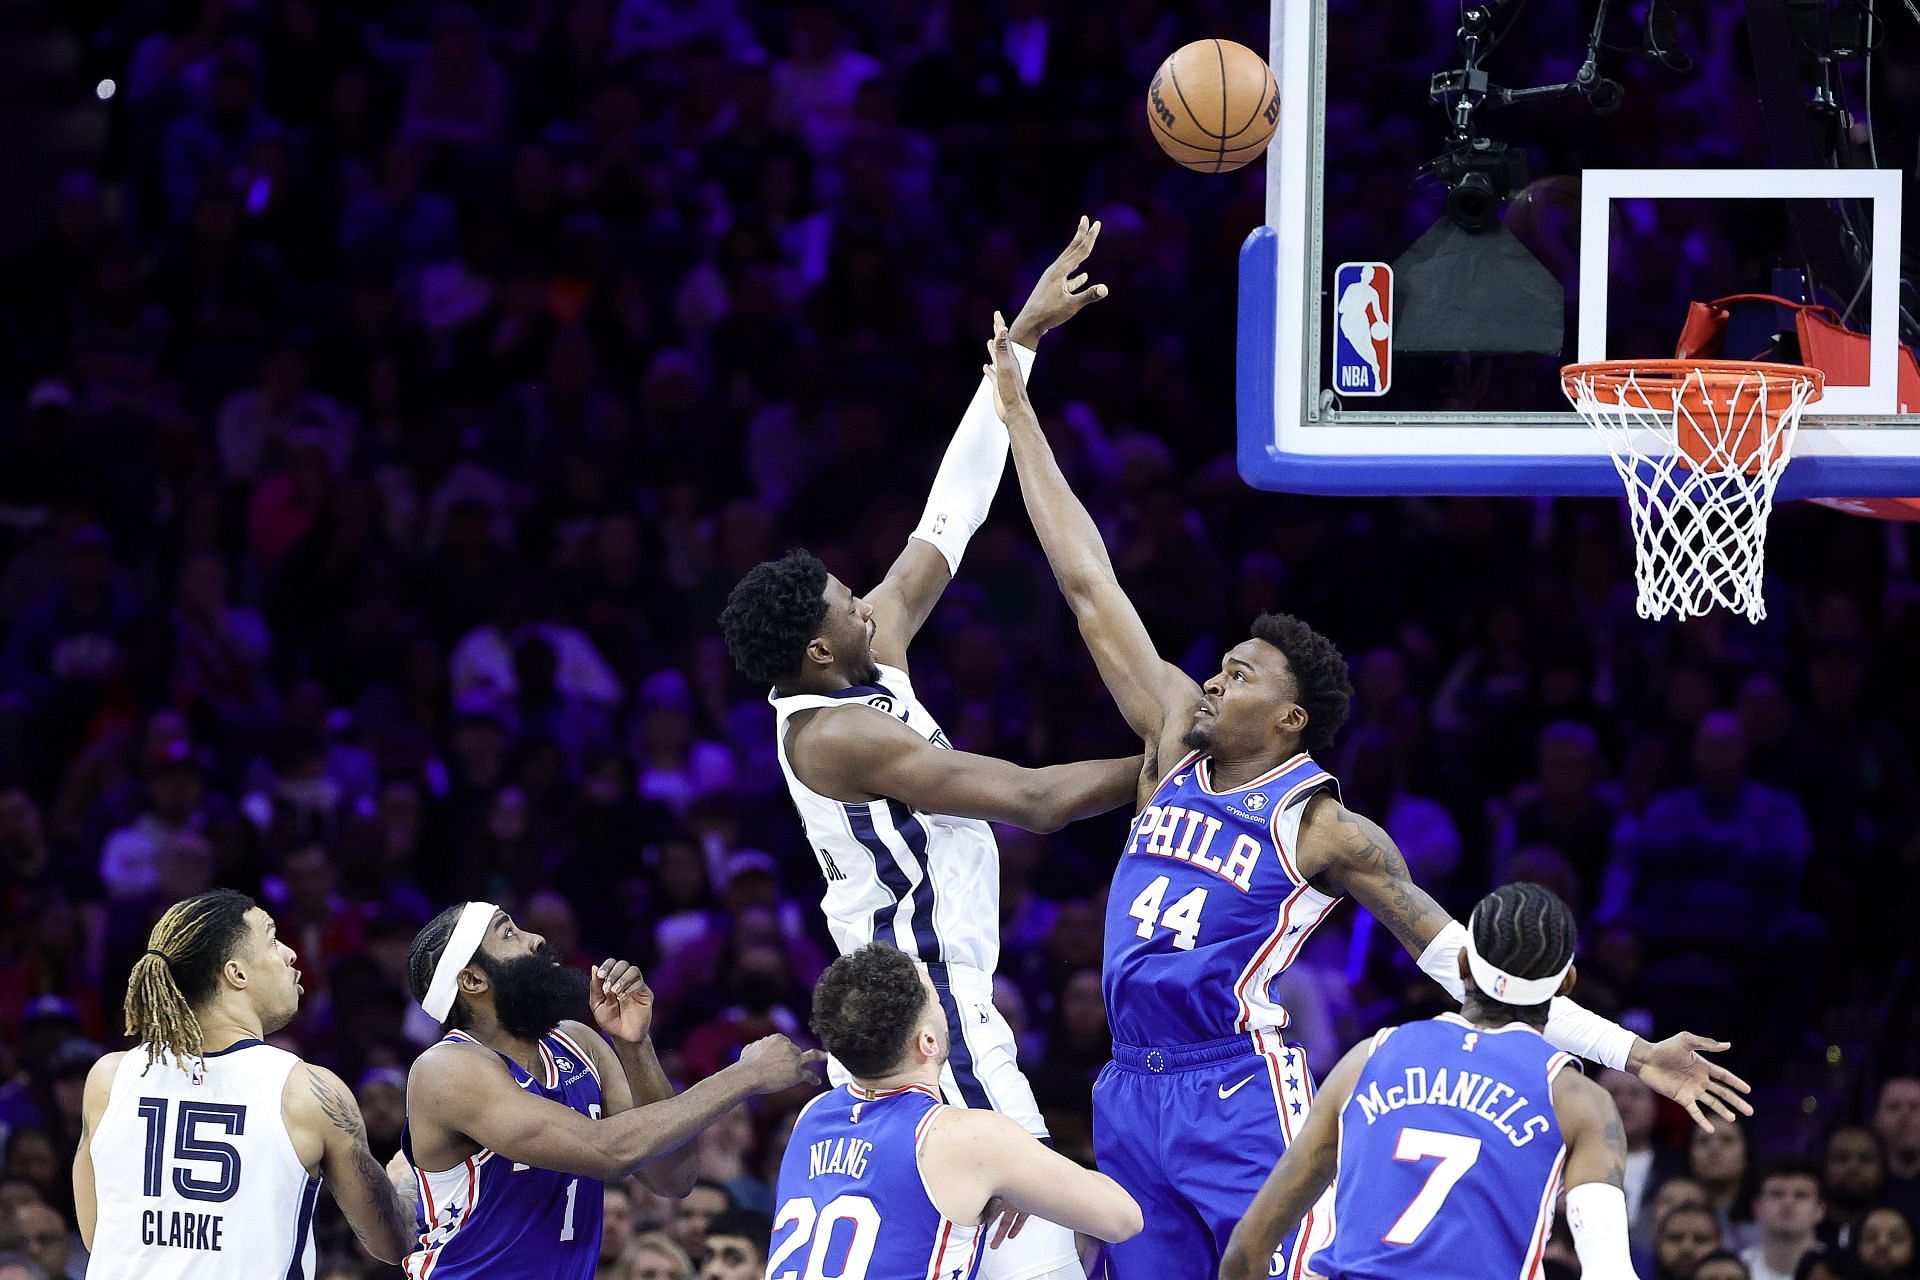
pixel 772 613
pixel 865 1008
pixel 1529 932
pixel 180 972
pixel 1318 668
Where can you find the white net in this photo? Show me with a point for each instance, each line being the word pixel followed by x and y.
pixel 1701 449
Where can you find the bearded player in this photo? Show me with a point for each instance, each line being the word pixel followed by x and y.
pixel 898 819
pixel 1240 846
pixel 517 1118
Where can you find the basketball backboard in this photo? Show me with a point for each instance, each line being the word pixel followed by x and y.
pixel 1708 182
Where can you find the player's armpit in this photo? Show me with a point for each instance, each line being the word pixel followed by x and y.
pixel 319 1102
pixel 1297 1181
pixel 971 1157
pixel 1356 857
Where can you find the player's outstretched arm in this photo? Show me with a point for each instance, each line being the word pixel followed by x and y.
pixel 630 1070
pixel 970 1159
pixel 323 1116
pixel 857 753
pixel 969 474
pixel 1297 1181
pixel 93 1105
pixel 1596 1176
pixel 467 1090
pixel 1151 693
pixel 1355 856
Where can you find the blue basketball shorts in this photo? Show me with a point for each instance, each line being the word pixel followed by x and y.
pixel 1192 1131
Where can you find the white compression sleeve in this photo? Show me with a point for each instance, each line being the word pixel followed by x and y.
pixel 1569 1027
pixel 1583 1032
pixel 1597 1212
pixel 1441 960
pixel 969 475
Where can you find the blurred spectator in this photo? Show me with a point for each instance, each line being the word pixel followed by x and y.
pixel 737 1244
pixel 723 1148
pixel 1722 1163
pixel 654 1255
pixel 616 1230
pixel 21 1266
pixel 1886 1250
pixel 1721 1265
pixel 1853 1177
pixel 1896 1120
pixel 693 1213
pixel 1680 1240
pixel 1787 1210
pixel 43 1235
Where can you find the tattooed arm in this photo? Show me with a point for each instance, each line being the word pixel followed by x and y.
pixel 1343 852
pixel 331 1137
pixel 1596 1176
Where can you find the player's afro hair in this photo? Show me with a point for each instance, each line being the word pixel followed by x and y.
pixel 1320 671
pixel 772 613
pixel 865 1008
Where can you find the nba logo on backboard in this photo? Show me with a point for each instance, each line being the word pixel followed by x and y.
pixel 1363 328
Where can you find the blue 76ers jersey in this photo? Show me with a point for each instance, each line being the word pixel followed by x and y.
pixel 852 1202
pixel 1207 906
pixel 1450 1155
pixel 489 1217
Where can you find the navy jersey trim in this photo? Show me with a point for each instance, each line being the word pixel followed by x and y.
pixel 905 891
pixel 861 691
pixel 959 1056
pixel 235 1047
pixel 297 1264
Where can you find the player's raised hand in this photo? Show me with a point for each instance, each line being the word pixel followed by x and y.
pixel 1003 372
pixel 778 1063
pixel 621 1001
pixel 1676 1068
pixel 1062 291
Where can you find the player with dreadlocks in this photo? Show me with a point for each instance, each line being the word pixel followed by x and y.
pixel 236 1134
pixel 1452 1138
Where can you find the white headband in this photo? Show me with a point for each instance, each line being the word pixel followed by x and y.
pixel 1497 984
pixel 466 939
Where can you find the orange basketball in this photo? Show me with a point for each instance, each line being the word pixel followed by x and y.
pixel 1213 105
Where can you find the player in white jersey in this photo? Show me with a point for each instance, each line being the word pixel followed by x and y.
pixel 898 819
pixel 203 1150
pixel 1212 753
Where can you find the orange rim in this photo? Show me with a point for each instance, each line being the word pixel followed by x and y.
pixel 1661 374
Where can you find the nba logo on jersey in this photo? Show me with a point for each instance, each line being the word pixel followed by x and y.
pixel 1363 328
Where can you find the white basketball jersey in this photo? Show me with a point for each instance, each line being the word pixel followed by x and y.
pixel 927 883
pixel 199 1180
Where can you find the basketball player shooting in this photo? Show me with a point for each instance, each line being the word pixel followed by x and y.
pixel 517 1118
pixel 1239 848
pixel 1452 1137
pixel 237 1134
pixel 899 818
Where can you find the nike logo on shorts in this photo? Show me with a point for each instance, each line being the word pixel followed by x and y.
pixel 1226 1093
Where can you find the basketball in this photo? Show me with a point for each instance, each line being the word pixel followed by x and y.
pixel 1213 105
pixel 1381 329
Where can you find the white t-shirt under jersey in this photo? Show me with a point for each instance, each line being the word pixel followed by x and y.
pixel 197 1179
pixel 928 883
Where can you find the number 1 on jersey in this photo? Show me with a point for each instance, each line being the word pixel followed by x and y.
pixel 1456 1155
pixel 1183 917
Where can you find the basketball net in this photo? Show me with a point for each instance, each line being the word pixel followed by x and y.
pixel 1700 445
